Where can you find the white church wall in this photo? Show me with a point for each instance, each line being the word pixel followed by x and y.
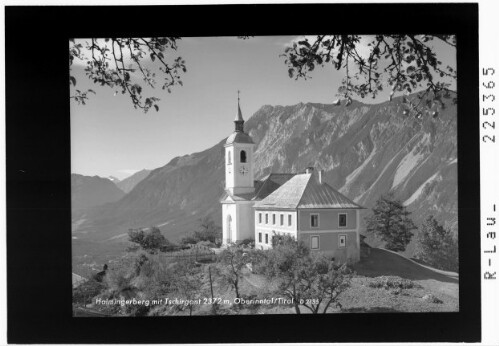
pixel 246 225
pixel 229 229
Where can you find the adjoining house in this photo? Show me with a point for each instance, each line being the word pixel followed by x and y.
pixel 300 205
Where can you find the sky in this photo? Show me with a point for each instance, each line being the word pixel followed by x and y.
pixel 111 138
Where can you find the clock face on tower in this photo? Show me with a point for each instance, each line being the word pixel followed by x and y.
pixel 243 170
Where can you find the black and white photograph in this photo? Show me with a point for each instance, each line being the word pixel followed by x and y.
pixel 264 175
pixel 248 173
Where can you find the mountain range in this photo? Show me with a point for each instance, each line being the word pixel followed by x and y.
pixel 127 184
pixel 365 150
pixel 113 179
pixel 87 192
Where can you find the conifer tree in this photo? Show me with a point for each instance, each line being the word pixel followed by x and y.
pixel 436 245
pixel 390 222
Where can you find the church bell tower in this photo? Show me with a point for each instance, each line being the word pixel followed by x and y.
pixel 239 175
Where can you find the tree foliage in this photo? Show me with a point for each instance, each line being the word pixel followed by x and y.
pixel 391 223
pixel 406 63
pixel 231 263
pixel 145 276
pixel 131 277
pixel 436 246
pixel 208 232
pixel 283 255
pixel 312 280
pixel 186 279
pixel 150 239
pixel 120 62
pixel 83 293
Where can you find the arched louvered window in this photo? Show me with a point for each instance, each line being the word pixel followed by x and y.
pixel 243 156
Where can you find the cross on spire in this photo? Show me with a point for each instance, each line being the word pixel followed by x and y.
pixel 239 117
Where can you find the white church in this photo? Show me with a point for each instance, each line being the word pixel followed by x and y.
pixel 301 205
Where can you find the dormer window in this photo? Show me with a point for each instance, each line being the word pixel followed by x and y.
pixel 243 156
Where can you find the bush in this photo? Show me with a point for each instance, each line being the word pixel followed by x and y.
pixel 249 243
pixel 388 282
pixel 150 239
pixel 432 299
pixel 188 240
pixel 85 292
pixel 206 243
pixel 258 260
pixel 208 232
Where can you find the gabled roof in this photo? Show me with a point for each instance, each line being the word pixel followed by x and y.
pixel 318 195
pixel 263 187
pixel 288 195
pixel 303 191
pixel 270 183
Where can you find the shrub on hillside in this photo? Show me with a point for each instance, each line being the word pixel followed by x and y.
pixel 138 275
pixel 189 240
pixel 85 292
pixel 388 282
pixel 150 239
pixel 208 232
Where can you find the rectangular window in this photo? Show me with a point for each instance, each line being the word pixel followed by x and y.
pixel 259 237
pixel 273 219
pixel 314 242
pixel 342 240
pixel 259 217
pixel 266 218
pixel 282 220
pixel 289 220
pixel 342 220
pixel 314 220
pixel 266 238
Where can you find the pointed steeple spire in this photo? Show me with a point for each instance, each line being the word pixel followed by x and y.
pixel 239 121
